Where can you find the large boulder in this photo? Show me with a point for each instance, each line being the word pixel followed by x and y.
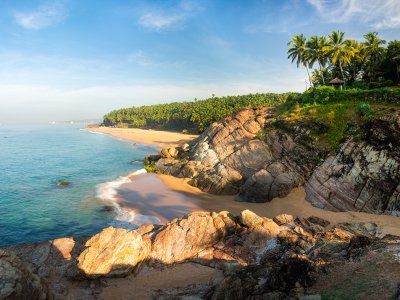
pixel 18 282
pixel 184 238
pixel 113 252
pixel 230 157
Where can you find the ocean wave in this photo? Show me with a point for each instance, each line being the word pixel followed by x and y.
pixel 95 132
pixel 124 218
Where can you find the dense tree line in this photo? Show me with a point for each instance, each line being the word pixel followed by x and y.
pixel 370 63
pixel 194 116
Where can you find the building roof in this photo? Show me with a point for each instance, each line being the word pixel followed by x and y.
pixel 336 81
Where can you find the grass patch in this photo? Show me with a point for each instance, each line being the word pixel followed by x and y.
pixel 151 169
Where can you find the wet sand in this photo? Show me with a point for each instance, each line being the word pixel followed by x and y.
pixel 168 197
pixel 161 139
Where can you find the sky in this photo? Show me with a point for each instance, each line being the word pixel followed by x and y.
pixel 73 59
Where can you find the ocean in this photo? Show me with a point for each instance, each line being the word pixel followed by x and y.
pixel 33 159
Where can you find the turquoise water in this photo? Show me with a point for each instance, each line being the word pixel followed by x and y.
pixel 33 159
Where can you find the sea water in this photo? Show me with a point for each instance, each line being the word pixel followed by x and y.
pixel 33 159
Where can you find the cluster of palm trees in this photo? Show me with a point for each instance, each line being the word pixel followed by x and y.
pixel 348 59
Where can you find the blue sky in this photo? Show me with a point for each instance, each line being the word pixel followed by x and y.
pixel 74 59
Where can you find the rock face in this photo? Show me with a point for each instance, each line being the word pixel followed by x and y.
pixel 18 282
pixel 260 258
pixel 184 238
pixel 363 176
pixel 228 158
pixel 113 252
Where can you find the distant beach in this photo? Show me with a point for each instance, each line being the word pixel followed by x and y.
pixel 161 139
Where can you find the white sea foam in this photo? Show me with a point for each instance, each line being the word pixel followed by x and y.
pixel 95 132
pixel 108 193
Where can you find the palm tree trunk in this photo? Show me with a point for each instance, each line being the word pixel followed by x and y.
pixel 309 77
pixel 341 69
pixel 322 73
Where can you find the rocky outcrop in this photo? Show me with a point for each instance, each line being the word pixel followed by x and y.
pixel 260 258
pixel 249 154
pixel 185 238
pixel 229 158
pixel 363 176
pixel 113 252
pixel 18 282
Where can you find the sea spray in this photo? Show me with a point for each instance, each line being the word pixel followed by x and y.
pixel 126 218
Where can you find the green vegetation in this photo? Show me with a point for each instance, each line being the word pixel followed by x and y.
pixel 193 116
pixel 151 169
pixel 328 115
pixel 325 94
pixel 366 64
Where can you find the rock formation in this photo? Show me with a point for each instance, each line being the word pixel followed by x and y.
pixel 113 252
pixel 185 238
pixel 244 154
pixel 363 176
pixel 260 259
pixel 18 282
pixel 228 158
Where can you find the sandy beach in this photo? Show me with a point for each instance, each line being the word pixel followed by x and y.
pixel 161 139
pixel 167 197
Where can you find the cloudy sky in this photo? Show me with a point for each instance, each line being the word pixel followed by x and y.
pixel 74 59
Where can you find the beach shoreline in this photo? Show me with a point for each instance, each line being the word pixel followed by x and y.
pixel 166 197
pixel 160 139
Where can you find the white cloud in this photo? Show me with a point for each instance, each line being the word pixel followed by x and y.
pixel 378 14
pixel 44 16
pixel 158 18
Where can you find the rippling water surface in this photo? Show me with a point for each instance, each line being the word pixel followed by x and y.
pixel 33 159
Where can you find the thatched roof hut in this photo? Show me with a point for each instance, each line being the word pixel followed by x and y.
pixel 337 82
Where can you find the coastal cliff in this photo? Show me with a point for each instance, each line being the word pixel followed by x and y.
pixel 254 258
pixel 259 155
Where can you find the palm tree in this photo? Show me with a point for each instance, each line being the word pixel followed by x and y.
pixel 316 53
pixel 393 53
pixel 298 52
pixel 374 50
pixel 355 57
pixel 337 50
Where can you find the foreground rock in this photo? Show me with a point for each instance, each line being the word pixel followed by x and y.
pixel 228 158
pixel 186 237
pixel 113 252
pixel 18 282
pixel 363 176
pixel 259 257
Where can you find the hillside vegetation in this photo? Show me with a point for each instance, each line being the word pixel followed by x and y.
pixel 324 116
pixel 194 116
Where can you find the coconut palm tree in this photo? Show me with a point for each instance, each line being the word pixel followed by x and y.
pixel 374 50
pixel 316 53
pixel 298 52
pixel 355 57
pixel 337 50
pixel 393 54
